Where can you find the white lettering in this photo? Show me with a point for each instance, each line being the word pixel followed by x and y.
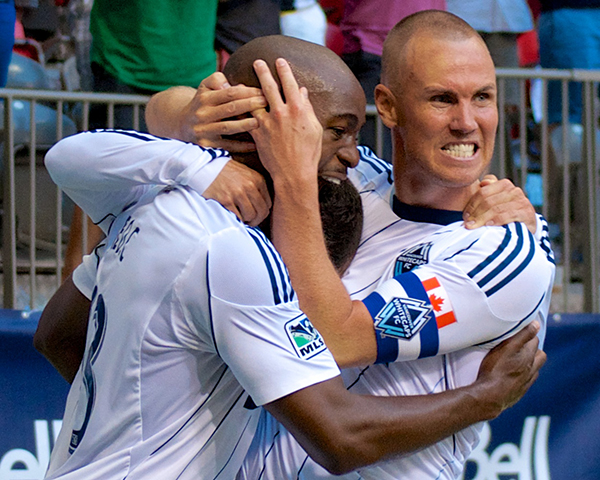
pixel 20 464
pixel 527 461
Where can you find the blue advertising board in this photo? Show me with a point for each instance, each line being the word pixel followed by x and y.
pixel 552 433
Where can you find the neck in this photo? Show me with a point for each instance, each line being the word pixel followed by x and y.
pixel 424 191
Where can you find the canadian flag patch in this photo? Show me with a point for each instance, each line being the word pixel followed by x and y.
pixel 440 302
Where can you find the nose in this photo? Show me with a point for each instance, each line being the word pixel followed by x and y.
pixel 348 154
pixel 463 119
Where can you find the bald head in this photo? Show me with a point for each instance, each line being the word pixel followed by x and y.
pixel 336 95
pixel 315 67
pixel 438 24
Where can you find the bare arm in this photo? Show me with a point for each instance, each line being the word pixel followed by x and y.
pixel 346 326
pixel 342 431
pixel 205 115
pixel 62 328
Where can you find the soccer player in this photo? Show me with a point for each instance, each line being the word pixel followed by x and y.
pixel 480 286
pixel 445 289
pixel 192 309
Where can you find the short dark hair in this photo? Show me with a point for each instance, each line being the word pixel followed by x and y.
pixel 342 219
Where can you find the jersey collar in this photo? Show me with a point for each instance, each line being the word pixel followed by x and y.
pixel 423 214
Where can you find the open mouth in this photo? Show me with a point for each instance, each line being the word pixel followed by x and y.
pixel 461 150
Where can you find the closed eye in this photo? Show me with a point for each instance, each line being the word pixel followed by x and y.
pixel 338 132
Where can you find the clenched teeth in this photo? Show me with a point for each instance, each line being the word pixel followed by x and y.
pixel 463 150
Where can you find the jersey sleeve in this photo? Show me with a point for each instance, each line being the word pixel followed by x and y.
pixel 255 321
pixel 103 171
pixel 542 235
pixel 84 276
pixel 370 169
pixel 476 292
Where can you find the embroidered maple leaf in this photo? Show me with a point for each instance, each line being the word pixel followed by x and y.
pixel 436 302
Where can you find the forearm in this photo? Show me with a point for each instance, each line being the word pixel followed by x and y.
pixel 345 325
pixel 105 171
pixel 360 430
pixel 62 328
pixel 343 431
pixel 164 112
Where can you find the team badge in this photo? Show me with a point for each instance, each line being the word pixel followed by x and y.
pixel 305 338
pixel 412 257
pixel 402 318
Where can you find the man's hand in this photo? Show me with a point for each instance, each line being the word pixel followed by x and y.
pixel 211 113
pixel 499 202
pixel 205 115
pixel 289 135
pixel 242 191
pixel 509 369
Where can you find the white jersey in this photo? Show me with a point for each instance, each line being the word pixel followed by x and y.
pixel 440 296
pixel 470 307
pixel 193 321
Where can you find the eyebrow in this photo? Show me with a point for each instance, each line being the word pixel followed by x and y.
pixel 442 90
pixel 349 117
pixel 487 88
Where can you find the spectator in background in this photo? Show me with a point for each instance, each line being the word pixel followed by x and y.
pixel 143 47
pixel 304 19
pixel 499 22
pixel 569 36
pixel 364 25
pixel 7 37
pixel 239 21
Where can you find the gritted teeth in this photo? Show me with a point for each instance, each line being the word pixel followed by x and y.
pixel 462 150
pixel 331 179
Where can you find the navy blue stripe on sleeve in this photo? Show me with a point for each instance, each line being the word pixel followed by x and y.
pixel 387 347
pixel 280 282
pixel 285 285
pixel 430 340
pixel 274 287
pixel 378 165
pixel 493 256
pixel 504 264
pixel 516 271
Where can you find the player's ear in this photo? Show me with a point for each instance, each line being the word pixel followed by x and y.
pixel 385 101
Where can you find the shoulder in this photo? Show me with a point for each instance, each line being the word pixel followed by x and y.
pixel 371 171
pixel 244 268
pixel 494 256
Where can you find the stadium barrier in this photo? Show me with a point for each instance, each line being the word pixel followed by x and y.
pixel 561 182
pixel 552 433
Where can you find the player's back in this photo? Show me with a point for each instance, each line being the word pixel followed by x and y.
pixel 153 399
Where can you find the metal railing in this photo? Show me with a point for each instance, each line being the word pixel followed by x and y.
pixel 526 151
pixel 35 122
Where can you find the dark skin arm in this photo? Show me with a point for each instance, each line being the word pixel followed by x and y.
pixel 342 431
pixel 61 331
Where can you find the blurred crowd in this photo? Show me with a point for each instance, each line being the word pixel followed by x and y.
pixel 146 46
pixel 134 46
